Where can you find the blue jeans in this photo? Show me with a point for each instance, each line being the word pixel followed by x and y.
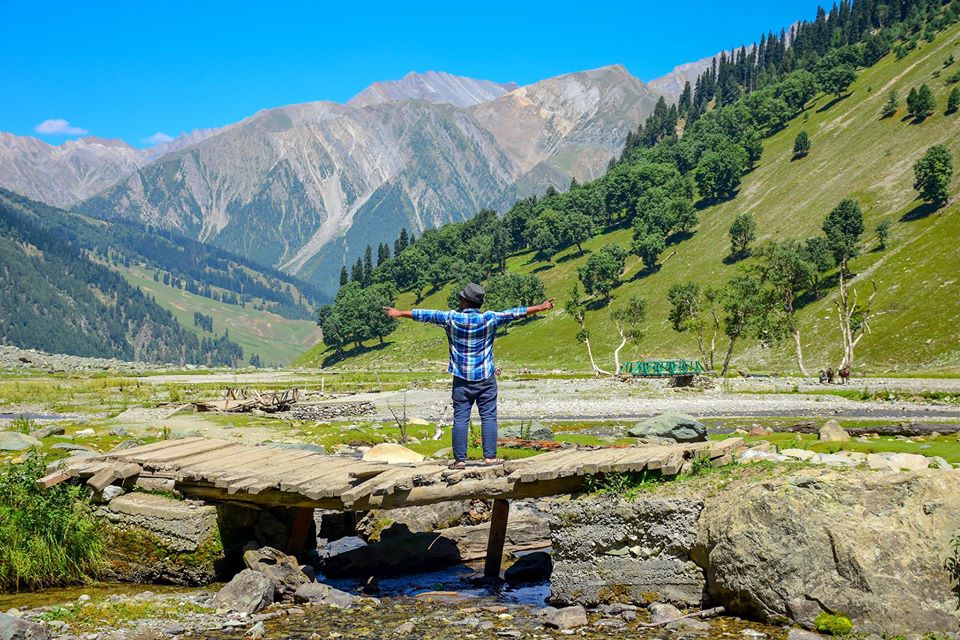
pixel 465 394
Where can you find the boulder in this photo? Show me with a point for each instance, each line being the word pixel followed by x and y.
pixel 799 454
pixel 12 628
pixel 398 552
pixel 248 592
pixel 803 634
pixel 391 454
pixel 566 618
pixel 422 518
pixel 661 612
pixel 70 446
pixel 15 441
pixel 535 431
pixel 607 549
pixel 833 432
pixel 282 570
pixel 676 426
pixel 530 569
pixel 341 545
pixel 47 431
pixel 317 593
pixel 873 546
pixel 527 528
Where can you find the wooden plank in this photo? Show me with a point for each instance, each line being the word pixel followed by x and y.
pixel 197 469
pixel 52 479
pixel 367 486
pixel 156 446
pixel 216 454
pixel 300 531
pixel 243 461
pixel 253 468
pixel 176 453
pixel 497 536
pixel 101 479
pixel 288 470
pixel 334 467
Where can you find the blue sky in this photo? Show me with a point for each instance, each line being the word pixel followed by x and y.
pixel 137 69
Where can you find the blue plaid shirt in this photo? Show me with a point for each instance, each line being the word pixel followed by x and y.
pixel 470 334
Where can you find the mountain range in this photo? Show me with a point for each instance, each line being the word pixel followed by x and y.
pixel 306 187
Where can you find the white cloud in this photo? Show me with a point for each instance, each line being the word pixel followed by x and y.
pixel 158 137
pixel 59 126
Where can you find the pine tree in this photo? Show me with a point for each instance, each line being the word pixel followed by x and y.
pixel 343 275
pixel 953 102
pixel 401 242
pixel 383 253
pixel 920 104
pixel 801 145
pixel 686 99
pixel 356 274
pixel 891 105
pixel 367 266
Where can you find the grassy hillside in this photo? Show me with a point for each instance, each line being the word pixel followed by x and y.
pixel 854 153
pixel 276 339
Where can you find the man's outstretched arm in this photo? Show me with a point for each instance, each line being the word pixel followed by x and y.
pixel 540 308
pixel 398 313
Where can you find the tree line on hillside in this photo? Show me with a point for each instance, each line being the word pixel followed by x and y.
pixel 54 298
pixel 197 267
pixel 699 148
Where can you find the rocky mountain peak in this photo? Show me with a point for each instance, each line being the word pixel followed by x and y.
pixel 437 87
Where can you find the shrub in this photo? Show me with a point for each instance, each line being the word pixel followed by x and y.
pixel 50 537
pixel 833 623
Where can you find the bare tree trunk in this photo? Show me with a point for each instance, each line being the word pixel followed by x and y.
pixel 846 309
pixel 616 352
pixel 593 363
pixel 726 360
pixel 796 341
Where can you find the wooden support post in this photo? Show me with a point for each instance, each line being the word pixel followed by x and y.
pixel 300 530
pixel 498 535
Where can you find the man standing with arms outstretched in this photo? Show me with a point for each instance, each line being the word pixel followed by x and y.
pixel 470 335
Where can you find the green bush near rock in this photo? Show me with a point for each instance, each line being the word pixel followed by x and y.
pixel 50 537
pixel 833 623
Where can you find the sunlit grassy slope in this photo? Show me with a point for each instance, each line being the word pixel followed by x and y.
pixel 854 153
pixel 276 339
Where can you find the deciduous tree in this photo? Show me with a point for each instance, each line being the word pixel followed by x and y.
pixel 932 175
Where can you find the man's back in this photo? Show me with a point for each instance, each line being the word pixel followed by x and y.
pixel 470 334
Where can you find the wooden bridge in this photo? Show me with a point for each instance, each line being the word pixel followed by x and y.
pixel 220 470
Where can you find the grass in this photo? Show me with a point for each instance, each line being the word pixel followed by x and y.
pixel 49 537
pixel 276 339
pixel 85 617
pixel 854 154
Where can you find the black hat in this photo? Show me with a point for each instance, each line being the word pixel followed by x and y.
pixel 473 294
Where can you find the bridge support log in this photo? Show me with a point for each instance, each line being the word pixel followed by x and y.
pixel 498 535
pixel 300 530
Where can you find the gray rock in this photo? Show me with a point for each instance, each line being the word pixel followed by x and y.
pixel 118 431
pixel 529 569
pixel 661 612
pixel 566 618
pixel 248 592
pixel 14 441
pixel 803 634
pixel 256 632
pixel 112 492
pixel 535 431
pixel 126 444
pixel 689 624
pixel 69 446
pixel 608 549
pixel 342 545
pixel 417 519
pixel 301 446
pixel 405 629
pixel 282 570
pixel 47 431
pixel 676 426
pixel 16 629
pixel 847 548
pixel 833 432
pixel 318 593
pixel 174 629
pixel 443 454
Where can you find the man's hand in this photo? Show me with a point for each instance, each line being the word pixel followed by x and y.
pixel 393 313
pixel 548 305
pixel 539 308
